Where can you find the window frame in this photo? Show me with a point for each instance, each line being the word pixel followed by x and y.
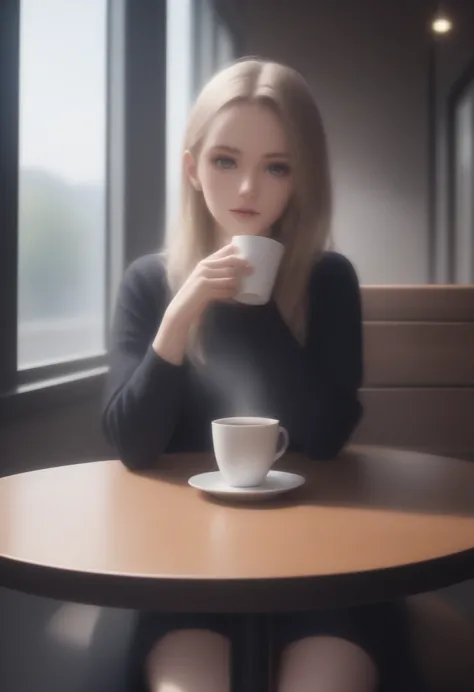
pixel 233 19
pixel 465 81
pixel 136 59
pixel 225 14
pixel 9 87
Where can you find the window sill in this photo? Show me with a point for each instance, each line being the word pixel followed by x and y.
pixel 53 392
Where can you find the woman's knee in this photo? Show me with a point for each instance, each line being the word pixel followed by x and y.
pixel 329 664
pixel 189 660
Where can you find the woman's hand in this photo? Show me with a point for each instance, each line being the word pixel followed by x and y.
pixel 215 278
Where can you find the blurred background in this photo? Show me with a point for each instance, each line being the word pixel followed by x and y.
pixel 400 135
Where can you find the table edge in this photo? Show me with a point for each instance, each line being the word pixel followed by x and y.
pixel 236 595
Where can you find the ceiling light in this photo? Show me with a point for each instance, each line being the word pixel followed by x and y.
pixel 441 24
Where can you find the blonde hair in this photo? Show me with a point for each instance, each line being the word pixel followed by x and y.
pixel 304 228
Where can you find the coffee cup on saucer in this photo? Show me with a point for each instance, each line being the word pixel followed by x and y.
pixel 247 447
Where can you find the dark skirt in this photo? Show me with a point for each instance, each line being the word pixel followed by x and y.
pixel 380 629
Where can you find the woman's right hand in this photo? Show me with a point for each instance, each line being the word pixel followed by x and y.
pixel 215 278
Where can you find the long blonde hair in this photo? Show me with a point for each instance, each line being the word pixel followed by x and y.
pixel 304 228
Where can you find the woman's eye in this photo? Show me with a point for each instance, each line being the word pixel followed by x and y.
pixel 224 162
pixel 281 170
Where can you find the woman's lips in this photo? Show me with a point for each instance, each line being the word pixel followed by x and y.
pixel 245 213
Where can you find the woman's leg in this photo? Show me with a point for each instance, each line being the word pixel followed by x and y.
pixel 156 635
pixel 371 639
pixel 326 664
pixel 189 660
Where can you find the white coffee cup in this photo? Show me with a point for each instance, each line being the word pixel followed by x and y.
pixel 264 255
pixel 246 448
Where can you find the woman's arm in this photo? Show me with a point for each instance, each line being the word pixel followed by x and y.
pixel 314 389
pixel 147 360
pixel 144 390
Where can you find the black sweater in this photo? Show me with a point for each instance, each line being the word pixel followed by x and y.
pixel 253 366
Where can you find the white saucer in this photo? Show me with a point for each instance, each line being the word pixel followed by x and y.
pixel 276 483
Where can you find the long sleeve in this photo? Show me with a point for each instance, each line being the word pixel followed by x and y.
pixel 144 392
pixel 313 389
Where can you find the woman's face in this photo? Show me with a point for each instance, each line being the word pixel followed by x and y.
pixel 244 170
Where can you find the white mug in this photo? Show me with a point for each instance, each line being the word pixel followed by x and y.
pixel 246 448
pixel 264 255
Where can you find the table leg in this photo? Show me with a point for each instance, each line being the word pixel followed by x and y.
pixel 251 653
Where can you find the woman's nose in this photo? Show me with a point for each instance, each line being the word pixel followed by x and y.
pixel 248 186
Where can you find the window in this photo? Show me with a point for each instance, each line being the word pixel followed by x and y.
pixel 62 181
pixel 199 42
pixel 463 226
pixel 87 120
pixel 178 91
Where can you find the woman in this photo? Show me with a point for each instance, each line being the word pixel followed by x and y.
pixel 184 353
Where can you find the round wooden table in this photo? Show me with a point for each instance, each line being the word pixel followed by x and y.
pixel 373 525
